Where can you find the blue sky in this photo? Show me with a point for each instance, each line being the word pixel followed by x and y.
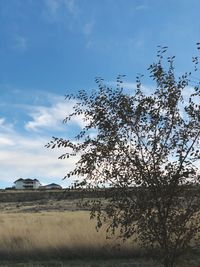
pixel 49 48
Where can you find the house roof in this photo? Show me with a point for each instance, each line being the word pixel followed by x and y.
pixel 53 184
pixel 20 179
pixel 26 180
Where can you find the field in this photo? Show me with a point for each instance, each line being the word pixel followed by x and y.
pixel 61 235
pixel 58 233
pixel 44 229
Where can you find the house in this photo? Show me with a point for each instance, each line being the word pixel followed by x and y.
pixel 52 186
pixel 27 184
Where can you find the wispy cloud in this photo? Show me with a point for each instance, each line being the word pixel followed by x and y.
pixel 51 117
pixel 68 13
pixel 141 7
pixel 5 141
pixel 22 156
pixel 139 43
pixel 88 28
pixel 20 42
pixel 130 87
pixel 72 7
pixel 25 155
pixel 4 126
pixel 90 44
pixel 55 6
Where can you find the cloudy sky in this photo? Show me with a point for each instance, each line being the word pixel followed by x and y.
pixel 49 48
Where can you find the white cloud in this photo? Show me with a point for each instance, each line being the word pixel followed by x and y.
pixel 4 126
pixel 5 141
pixel 51 117
pixel 22 156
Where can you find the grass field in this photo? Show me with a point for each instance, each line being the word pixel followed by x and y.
pixel 59 234
pixel 37 234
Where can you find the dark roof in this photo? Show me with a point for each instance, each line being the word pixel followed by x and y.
pixel 26 180
pixel 20 179
pixel 53 184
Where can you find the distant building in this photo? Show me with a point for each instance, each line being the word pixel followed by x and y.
pixel 27 184
pixel 52 186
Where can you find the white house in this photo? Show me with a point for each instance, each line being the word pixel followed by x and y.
pixel 27 184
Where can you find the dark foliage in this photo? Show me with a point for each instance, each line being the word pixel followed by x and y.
pixel 144 148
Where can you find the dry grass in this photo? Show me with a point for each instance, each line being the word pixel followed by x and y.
pixel 55 235
pixel 64 236
pixel 49 231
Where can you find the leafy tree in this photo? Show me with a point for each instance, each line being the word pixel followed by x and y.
pixel 143 151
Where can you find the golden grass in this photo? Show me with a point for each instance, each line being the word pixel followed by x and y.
pixel 64 236
pixel 54 235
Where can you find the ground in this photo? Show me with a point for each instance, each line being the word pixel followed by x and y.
pixel 58 232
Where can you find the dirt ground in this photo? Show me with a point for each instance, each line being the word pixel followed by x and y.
pixel 40 206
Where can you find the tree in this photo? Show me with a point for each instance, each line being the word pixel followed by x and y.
pixel 145 152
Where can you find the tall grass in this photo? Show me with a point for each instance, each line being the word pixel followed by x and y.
pixel 64 236
pixel 55 235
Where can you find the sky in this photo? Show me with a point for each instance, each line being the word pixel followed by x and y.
pixel 49 48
